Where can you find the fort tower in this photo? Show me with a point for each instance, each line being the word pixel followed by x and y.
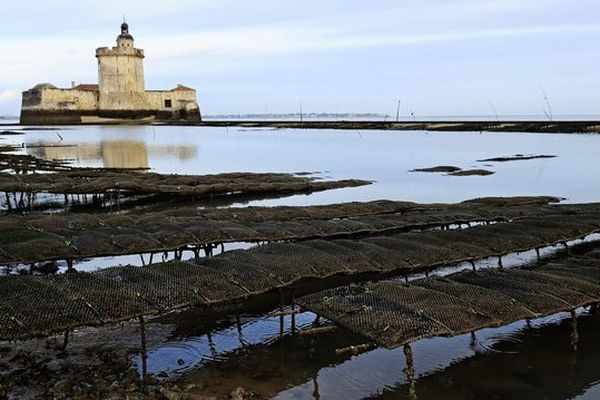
pixel 119 94
pixel 121 74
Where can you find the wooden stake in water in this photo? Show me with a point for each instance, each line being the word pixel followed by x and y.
pixel 574 331
pixel 143 345
pixel 410 372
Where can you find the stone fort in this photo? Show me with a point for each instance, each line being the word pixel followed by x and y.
pixel 119 95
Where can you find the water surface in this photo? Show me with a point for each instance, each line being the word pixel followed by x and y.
pixel 383 156
pixel 533 361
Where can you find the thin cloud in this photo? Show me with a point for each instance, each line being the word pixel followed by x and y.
pixel 27 61
pixel 272 41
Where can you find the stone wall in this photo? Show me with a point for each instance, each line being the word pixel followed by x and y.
pixel 121 77
pixel 47 106
pixel 178 103
pixel 60 99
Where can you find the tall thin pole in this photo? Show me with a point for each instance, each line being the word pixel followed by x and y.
pixel 495 112
pixel 143 345
pixel 549 114
pixel 398 111
pixel 409 371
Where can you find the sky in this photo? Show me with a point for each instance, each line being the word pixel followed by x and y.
pixel 438 57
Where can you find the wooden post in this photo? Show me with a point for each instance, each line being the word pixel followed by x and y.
pixel 594 309
pixel 355 350
pixel 318 331
pixel 211 345
pixel 281 310
pixel 118 201
pixel 574 332
pixel 316 394
pixel 238 323
pixel 65 340
pixel 293 312
pixel 8 203
pixel 143 344
pixel 410 372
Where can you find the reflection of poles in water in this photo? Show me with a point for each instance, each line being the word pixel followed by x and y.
pixel 409 371
pixel 143 345
pixel 281 313
pixel 317 320
pixel 316 395
pixel 293 312
pixel 473 342
pixel 240 331
pixel 211 345
pixel 574 342
pixel 574 331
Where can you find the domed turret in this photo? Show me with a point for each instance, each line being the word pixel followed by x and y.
pixel 125 32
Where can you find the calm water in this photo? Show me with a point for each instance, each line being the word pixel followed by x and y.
pixel 535 360
pixel 518 361
pixel 385 157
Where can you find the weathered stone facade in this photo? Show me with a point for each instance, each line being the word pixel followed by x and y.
pixel 119 94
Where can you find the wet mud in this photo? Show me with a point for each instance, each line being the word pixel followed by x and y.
pixel 437 126
pixel 472 172
pixel 517 157
pixel 439 168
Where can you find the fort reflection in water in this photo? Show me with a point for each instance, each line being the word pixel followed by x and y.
pixel 115 153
